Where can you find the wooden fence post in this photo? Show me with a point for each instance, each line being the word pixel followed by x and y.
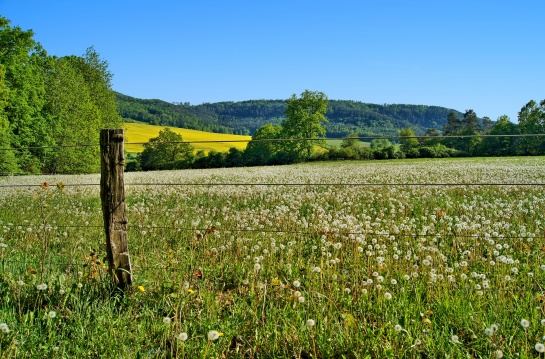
pixel 112 195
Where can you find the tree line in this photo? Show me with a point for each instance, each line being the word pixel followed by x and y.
pixel 245 117
pixel 49 101
pixel 287 142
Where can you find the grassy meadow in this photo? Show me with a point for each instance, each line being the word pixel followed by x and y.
pixel 279 266
pixel 141 132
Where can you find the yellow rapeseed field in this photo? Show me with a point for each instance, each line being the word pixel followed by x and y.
pixel 140 132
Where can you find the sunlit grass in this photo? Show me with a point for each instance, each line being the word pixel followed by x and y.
pixel 282 271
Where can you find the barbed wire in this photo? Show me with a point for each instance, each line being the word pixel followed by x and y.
pixel 360 138
pixel 201 184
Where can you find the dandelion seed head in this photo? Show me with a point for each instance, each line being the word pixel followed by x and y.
pixel 310 323
pixel 182 337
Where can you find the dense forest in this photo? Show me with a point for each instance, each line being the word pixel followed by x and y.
pixel 245 117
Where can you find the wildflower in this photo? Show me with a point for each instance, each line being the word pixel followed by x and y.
pixel 141 288
pixel 387 296
pixel 525 323
pixel 540 348
pixel 297 294
pixel 42 286
pixel 316 270
pixel 489 331
pixel 21 283
pixel 80 285
pixel 310 323
pixel 397 328
pixel 455 339
pixel 166 320
pixel 296 283
pixel 4 328
pixel 542 321
pixel 347 290
pixel 52 314
pixel 257 267
pixel 301 299
pixel 182 337
pixel 185 285
pixel 214 334
pixel 61 291
pixel 498 354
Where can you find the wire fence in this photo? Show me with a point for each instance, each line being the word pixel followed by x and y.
pixel 277 231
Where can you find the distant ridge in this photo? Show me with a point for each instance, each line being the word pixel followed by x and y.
pixel 244 117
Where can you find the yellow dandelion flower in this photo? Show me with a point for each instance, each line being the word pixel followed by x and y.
pixel 190 291
pixel 141 288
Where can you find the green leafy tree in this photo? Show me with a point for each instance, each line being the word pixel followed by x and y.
pixel 260 151
pixel 409 144
pixel 532 121
pixel 351 141
pixel 74 119
pixel 304 118
pixel 25 63
pixel 166 152
pixel 8 161
pixel 500 146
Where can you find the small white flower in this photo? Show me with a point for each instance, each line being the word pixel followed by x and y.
pixel 42 286
pixel 4 328
pixel 166 320
pixel 316 270
pixel 310 323
pixel 52 314
pixel 455 339
pixel 387 296
pixel 257 267
pixel 525 323
pixel 301 299
pixel 21 283
pixel 296 283
pixel 498 354
pixel 540 348
pixel 182 337
pixel 489 331
pixel 347 290
pixel 80 285
pixel 397 328
pixel 61 291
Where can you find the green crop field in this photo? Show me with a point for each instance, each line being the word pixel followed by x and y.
pixel 379 259
pixel 140 132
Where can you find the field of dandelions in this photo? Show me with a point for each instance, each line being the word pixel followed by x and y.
pixel 282 262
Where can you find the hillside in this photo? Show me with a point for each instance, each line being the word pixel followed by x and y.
pixel 243 118
pixel 140 132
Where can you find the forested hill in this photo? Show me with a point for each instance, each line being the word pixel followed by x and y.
pixel 246 116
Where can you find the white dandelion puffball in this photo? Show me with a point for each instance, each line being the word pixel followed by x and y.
pixel 525 323
pixel 397 328
pixel 213 335
pixel 540 348
pixel 52 314
pixel 310 323
pixel 166 320
pixel 42 286
pixel 182 337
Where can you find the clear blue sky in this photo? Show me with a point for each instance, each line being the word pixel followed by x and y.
pixel 488 56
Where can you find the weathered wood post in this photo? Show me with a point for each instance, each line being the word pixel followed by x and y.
pixel 112 195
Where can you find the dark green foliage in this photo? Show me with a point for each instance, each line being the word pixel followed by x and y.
pixel 50 101
pixel 245 117
pixel 166 152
